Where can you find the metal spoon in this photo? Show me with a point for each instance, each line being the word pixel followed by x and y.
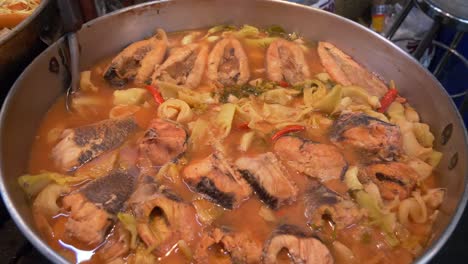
pixel 70 12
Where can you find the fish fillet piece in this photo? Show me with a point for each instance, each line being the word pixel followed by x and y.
pixel 82 144
pixel 184 66
pixel 163 218
pixel 323 205
pixel 92 206
pixel 162 142
pixel 117 244
pixel 87 222
pixel 285 62
pixel 394 179
pixel 321 161
pixel 268 178
pixel 345 71
pixel 369 137
pixel 216 179
pixel 241 246
pixel 302 247
pixel 138 60
pixel 228 64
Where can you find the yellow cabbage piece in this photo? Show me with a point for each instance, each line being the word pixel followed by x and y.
pixel 260 42
pixel 224 119
pixel 280 96
pixel 384 220
pixel 246 140
pixel 131 96
pixel 85 82
pixel 434 158
pixel 423 134
pixel 185 249
pixel 129 223
pixel 195 98
pixel 360 95
pixel 330 101
pixel 199 133
pixel 175 109
pixel 207 211
pixel 46 201
pixel 169 90
pixel 143 256
pixel 396 111
pixel 247 31
pixel 33 184
pixel 312 95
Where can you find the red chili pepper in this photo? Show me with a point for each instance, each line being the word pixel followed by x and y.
pixel 387 100
pixel 244 125
pixel 156 94
pixel 283 84
pixel 286 130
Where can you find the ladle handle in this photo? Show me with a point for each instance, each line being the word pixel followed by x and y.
pixel 70 12
pixel 72 20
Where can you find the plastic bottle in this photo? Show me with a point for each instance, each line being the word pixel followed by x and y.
pixel 379 12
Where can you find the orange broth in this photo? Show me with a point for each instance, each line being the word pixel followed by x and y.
pixel 371 249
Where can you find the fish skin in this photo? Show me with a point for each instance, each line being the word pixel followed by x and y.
pixel 302 247
pixel 184 66
pixel 371 138
pixel 317 160
pixel 207 187
pixel 80 145
pixel 293 68
pixel 268 178
pixel 137 61
pixel 217 180
pixel 112 191
pixel 345 71
pixel 217 58
pixel 353 120
pixel 318 195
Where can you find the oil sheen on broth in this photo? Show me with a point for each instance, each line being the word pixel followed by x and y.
pixel 233 144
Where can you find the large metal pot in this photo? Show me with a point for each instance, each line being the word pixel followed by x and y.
pixel 38 87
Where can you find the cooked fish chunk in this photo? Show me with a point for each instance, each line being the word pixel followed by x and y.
pixel 91 206
pixel 184 66
pixel 117 244
pixel 162 142
pixel 111 191
pixel 138 60
pixel 394 179
pixel 215 178
pixel 82 144
pixel 285 62
pixel 370 137
pixel 323 204
pixel 228 64
pixel 241 247
pixel 345 71
pixel 302 248
pixel 320 161
pixel 268 179
pixel 87 222
pixel 162 217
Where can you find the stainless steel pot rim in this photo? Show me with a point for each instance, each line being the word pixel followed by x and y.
pixel 52 255
pixel 24 23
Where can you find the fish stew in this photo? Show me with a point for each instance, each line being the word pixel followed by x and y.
pixel 234 145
